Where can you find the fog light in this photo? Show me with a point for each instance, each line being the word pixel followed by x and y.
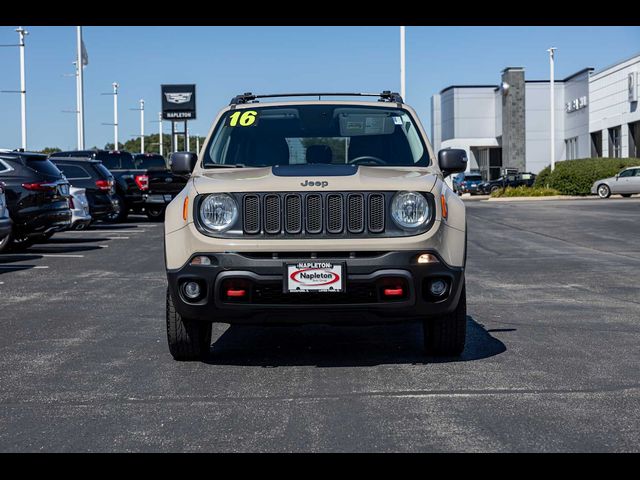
pixel 201 260
pixel 427 258
pixel 191 290
pixel 438 287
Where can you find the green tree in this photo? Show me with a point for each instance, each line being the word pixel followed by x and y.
pixel 50 150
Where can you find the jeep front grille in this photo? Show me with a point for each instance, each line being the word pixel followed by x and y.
pixel 313 214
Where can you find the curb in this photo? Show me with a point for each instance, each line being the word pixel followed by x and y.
pixel 540 199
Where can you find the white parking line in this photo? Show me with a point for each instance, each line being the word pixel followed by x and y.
pixel 24 266
pixel 63 255
pixel 99 232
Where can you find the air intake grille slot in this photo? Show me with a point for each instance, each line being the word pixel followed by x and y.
pixel 376 213
pixel 251 216
pixel 293 214
pixel 355 213
pixel 314 214
pixel 272 213
pixel 334 213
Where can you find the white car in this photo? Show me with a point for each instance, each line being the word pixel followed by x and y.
pixel 79 205
pixel 626 183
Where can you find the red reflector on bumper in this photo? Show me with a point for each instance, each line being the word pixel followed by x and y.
pixel 393 292
pixel 236 293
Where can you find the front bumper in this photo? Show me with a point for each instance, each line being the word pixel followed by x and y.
pixel 362 302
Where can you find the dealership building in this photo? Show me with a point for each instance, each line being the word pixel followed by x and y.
pixel 508 125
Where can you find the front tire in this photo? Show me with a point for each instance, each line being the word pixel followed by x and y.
pixel 604 191
pixel 5 243
pixel 155 214
pixel 20 242
pixel 188 339
pixel 445 335
pixel 120 214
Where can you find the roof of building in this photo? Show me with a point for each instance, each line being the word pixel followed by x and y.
pixel 609 67
pixel 466 86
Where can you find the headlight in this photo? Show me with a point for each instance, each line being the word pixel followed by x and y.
pixel 409 209
pixel 218 212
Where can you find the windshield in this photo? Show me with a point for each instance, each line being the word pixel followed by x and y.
pixel 116 160
pixel 316 134
pixel 150 161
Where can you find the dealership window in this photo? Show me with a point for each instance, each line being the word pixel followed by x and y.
pixel 634 140
pixel 615 143
pixel 571 146
pixel 596 144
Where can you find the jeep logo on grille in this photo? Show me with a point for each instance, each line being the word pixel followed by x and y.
pixel 311 183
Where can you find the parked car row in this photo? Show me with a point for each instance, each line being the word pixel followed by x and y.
pixel 472 183
pixel 42 195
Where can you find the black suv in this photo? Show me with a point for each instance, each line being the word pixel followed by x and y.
pixel 130 182
pixel 164 185
pixel 37 196
pixel 97 181
pixel 509 180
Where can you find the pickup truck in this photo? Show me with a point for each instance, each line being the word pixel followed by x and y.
pixel 163 185
pixel 131 182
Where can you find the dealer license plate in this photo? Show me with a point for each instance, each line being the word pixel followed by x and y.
pixel 314 277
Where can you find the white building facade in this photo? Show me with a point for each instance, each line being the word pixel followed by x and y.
pixel 508 125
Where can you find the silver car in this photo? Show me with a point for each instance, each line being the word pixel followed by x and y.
pixel 80 217
pixel 626 183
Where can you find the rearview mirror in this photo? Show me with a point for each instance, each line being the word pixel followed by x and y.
pixel 183 163
pixel 452 160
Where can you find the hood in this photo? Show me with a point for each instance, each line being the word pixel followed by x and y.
pixel 604 180
pixel 302 179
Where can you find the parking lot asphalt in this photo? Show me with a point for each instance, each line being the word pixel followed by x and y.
pixel 551 362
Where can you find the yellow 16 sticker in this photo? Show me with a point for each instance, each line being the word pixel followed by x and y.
pixel 243 118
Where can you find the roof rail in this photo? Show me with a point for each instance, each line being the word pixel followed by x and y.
pixel 385 96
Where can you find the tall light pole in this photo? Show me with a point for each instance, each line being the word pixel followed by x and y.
pixel 552 107
pixel 23 84
pixel 186 137
pixel 80 88
pixel 79 119
pixel 160 128
pixel 115 115
pixel 141 126
pixel 115 86
pixel 197 144
pixel 402 64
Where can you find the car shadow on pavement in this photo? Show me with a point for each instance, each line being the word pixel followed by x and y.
pixel 15 268
pixel 43 248
pixel 337 346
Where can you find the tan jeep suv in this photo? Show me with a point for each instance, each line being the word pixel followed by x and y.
pixel 327 211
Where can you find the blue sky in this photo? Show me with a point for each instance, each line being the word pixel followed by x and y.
pixel 224 61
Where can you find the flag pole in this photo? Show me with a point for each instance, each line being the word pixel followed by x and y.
pixel 80 90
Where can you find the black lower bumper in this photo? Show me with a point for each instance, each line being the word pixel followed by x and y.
pixel 364 301
pixel 44 221
pixel 102 205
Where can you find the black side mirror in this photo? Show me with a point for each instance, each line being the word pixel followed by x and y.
pixel 452 160
pixel 183 163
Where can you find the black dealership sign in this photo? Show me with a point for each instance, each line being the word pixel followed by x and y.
pixel 178 102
